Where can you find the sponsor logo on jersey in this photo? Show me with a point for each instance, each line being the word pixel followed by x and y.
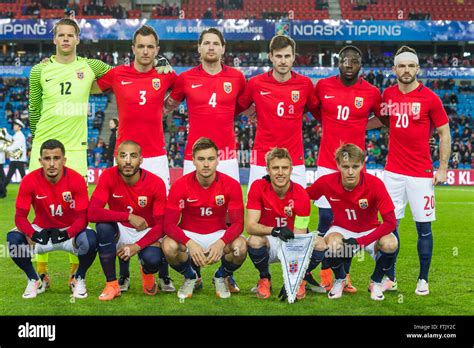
pixel 295 96
pixel 415 108
pixel 363 203
pixel 359 102
pixel 67 196
pixel 293 266
pixel 227 87
pixel 142 201
pixel 220 200
pixel 156 83
pixel 288 211
pixel 80 75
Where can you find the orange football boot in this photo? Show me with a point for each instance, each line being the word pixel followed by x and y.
pixel 301 294
pixel 149 283
pixel 349 287
pixel 110 291
pixel 264 288
pixel 326 278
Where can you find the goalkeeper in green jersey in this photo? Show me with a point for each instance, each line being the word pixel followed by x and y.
pixel 58 105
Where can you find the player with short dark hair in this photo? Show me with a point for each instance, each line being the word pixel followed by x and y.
pixel 356 198
pixel 133 224
pixel 414 111
pixel 277 208
pixel 195 222
pixel 59 198
pixel 345 104
pixel 280 98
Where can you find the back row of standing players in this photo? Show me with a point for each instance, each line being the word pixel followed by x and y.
pixel 216 93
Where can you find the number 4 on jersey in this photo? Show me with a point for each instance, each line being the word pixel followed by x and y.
pixel 212 101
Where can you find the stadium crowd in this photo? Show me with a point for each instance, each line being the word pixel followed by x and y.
pixel 14 97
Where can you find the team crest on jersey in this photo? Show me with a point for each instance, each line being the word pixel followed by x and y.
pixel 293 266
pixel 220 200
pixel 359 102
pixel 156 84
pixel 295 96
pixel 80 75
pixel 363 203
pixel 67 196
pixel 142 201
pixel 415 108
pixel 227 87
pixel 288 211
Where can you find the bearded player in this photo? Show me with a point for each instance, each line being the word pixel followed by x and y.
pixel 195 222
pixel 140 93
pixel 356 199
pixel 59 198
pixel 133 224
pixel 280 98
pixel 277 209
pixel 344 106
pixel 211 90
pixel 414 112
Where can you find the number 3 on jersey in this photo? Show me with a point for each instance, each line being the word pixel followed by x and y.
pixel 142 98
pixel 212 101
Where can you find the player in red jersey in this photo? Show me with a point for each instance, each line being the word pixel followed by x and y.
pixel 277 208
pixel 211 91
pixel 195 222
pixel 59 198
pixel 133 224
pixel 280 98
pixel 414 112
pixel 344 105
pixel 140 92
pixel 356 198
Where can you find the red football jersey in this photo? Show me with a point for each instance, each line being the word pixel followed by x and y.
pixel 147 198
pixel 211 101
pixel 355 210
pixel 55 205
pixel 413 116
pixel 275 211
pixel 344 112
pixel 204 210
pixel 280 107
pixel 140 99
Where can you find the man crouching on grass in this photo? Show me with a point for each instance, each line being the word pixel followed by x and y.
pixel 356 198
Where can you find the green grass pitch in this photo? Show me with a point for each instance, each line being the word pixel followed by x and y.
pixel 451 278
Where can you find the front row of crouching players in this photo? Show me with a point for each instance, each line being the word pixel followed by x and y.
pixel 203 219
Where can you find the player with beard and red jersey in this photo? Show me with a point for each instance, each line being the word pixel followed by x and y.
pixel 133 224
pixel 59 198
pixel 211 90
pixel 356 199
pixel 140 93
pixel 195 222
pixel 345 104
pixel 414 112
pixel 280 98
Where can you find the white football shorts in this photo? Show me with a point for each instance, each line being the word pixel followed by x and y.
pixel 419 192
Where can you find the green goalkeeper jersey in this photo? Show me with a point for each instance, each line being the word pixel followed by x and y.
pixel 59 100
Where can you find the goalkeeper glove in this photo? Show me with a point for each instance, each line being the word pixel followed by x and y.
pixel 41 237
pixel 162 66
pixel 284 233
pixel 58 236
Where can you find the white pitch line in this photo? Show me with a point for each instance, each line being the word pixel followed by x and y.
pixel 461 203
pixel 454 189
